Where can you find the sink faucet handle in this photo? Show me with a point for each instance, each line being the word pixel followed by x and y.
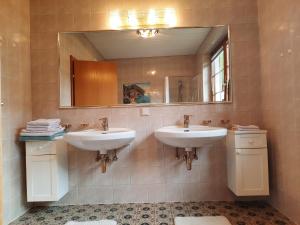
pixel 225 121
pixel 84 125
pixel 206 122
pixel 67 126
pixel 187 116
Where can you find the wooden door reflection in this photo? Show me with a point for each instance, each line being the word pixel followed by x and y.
pixel 94 83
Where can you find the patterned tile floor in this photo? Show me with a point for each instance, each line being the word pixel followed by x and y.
pixel 238 213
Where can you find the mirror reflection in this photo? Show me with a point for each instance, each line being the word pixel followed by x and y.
pixel 147 66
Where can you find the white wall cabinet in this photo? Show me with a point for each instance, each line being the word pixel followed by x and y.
pixel 46 170
pixel 247 163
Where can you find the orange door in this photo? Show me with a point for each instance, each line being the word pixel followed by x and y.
pixel 95 83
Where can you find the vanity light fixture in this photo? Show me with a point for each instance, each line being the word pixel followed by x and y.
pixel 120 19
pixel 170 17
pixel 115 19
pixel 132 19
pixel 151 20
pixel 147 33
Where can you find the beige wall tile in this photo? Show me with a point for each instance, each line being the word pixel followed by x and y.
pixel 279 82
pixel 16 96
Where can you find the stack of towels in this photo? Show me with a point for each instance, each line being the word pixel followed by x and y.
pixel 245 128
pixel 42 129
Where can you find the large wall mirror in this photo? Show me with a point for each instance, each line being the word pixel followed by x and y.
pixel 154 66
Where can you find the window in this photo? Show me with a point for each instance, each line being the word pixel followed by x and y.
pixel 220 73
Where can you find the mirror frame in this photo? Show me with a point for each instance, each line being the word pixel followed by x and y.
pixel 148 104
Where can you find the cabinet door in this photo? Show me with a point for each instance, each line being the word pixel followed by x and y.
pixel 252 172
pixel 41 178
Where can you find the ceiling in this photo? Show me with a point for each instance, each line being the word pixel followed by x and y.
pixel 127 44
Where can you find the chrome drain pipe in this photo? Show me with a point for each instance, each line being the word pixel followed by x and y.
pixel 105 159
pixel 188 156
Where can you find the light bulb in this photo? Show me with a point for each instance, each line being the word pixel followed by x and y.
pixel 132 19
pixel 170 17
pixel 115 19
pixel 151 17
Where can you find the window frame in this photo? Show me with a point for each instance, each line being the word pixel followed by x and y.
pixel 222 46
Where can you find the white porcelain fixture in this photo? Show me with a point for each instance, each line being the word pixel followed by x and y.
pixel 46 170
pixel 98 140
pixel 193 137
pixel 190 138
pixel 247 163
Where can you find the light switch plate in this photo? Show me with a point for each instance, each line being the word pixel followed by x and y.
pixel 145 112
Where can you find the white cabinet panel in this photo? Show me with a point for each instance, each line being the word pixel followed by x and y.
pixel 41 180
pixel 250 141
pixel 247 167
pixel 252 171
pixel 40 148
pixel 46 170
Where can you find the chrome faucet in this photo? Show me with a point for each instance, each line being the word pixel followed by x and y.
pixel 104 123
pixel 186 121
pixel 206 122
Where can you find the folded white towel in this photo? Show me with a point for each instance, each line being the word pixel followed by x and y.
pixel 44 122
pixel 43 130
pixel 100 222
pixel 38 129
pixel 36 134
pixel 43 126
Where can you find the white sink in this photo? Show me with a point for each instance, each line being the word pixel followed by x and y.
pixel 193 137
pixel 98 140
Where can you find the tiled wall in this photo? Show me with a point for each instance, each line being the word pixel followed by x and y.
pixel 146 171
pixel 280 79
pixel 16 96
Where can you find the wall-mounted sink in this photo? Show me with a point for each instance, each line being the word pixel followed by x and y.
pixel 189 139
pixel 102 141
pixel 194 136
pixel 98 140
